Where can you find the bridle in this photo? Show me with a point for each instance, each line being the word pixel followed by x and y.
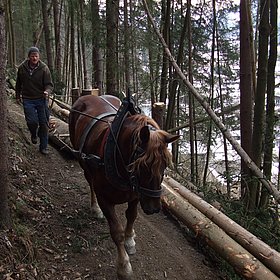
pixel 112 152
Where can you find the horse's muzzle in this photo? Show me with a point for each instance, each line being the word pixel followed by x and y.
pixel 150 206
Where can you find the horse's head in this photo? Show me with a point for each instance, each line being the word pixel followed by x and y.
pixel 148 159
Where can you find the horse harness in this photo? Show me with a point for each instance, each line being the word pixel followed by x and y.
pixel 111 150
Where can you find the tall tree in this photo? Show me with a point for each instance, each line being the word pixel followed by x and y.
pixel 166 30
pixel 10 34
pixel 112 15
pixel 270 102
pixel 97 81
pixel 83 45
pixel 47 34
pixel 72 44
pixel 194 172
pixel 246 88
pixel 258 124
pixel 126 46
pixel 57 8
pixel 4 170
pixel 211 97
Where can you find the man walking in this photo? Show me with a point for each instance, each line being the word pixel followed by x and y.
pixel 33 86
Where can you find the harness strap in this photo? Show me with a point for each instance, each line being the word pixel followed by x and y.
pixel 111 148
pixel 89 128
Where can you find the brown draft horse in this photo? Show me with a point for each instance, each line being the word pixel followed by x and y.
pixel 139 159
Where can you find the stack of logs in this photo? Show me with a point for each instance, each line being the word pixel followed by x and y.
pixel 249 256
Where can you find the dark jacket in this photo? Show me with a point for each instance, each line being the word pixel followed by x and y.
pixel 31 84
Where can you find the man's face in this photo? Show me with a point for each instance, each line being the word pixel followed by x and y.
pixel 34 58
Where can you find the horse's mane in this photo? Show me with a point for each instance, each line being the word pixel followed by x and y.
pixel 156 156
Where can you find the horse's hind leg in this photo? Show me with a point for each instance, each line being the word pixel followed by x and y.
pixel 94 207
pixel 131 214
pixel 124 269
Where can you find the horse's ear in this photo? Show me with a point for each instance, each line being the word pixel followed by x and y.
pixel 169 138
pixel 145 134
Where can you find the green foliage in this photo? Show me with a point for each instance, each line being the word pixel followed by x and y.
pixel 261 223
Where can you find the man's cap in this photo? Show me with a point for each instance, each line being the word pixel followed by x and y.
pixel 33 50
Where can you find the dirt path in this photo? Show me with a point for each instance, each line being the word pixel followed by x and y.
pixel 63 241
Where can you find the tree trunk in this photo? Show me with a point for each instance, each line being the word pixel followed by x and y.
pixel 211 97
pixel 11 36
pixel 270 115
pixel 47 34
pixel 271 188
pixel 241 260
pixel 57 27
pixel 127 39
pixel 112 9
pixel 83 45
pixel 5 221
pixel 97 81
pixel 164 70
pixel 263 252
pixel 258 123
pixel 193 150
pixel 72 45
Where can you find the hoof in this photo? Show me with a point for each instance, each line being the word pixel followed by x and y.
pixel 125 273
pixel 97 213
pixel 130 246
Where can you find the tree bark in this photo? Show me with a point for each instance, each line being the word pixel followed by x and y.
pixel 165 64
pixel 47 34
pixel 57 27
pixel 241 260
pixel 5 221
pixel 83 45
pixel 112 9
pixel 253 167
pixel 270 102
pixel 263 252
pixel 246 91
pixel 253 191
pixel 97 81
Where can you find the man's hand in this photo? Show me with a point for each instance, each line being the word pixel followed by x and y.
pixel 19 100
pixel 46 94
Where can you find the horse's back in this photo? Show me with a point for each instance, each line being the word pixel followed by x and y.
pixel 96 104
pixel 87 108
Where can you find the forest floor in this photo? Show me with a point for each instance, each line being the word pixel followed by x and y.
pixel 54 235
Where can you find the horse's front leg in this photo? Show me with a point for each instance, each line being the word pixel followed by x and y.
pixel 131 215
pixel 124 269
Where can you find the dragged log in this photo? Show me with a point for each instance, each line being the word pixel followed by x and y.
pixel 58 110
pixel 59 134
pixel 240 259
pixel 263 252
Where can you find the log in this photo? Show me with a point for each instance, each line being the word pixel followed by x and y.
pixel 263 252
pixel 158 112
pixel 75 93
pixel 59 134
pixel 58 110
pixel 94 91
pixel 240 259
